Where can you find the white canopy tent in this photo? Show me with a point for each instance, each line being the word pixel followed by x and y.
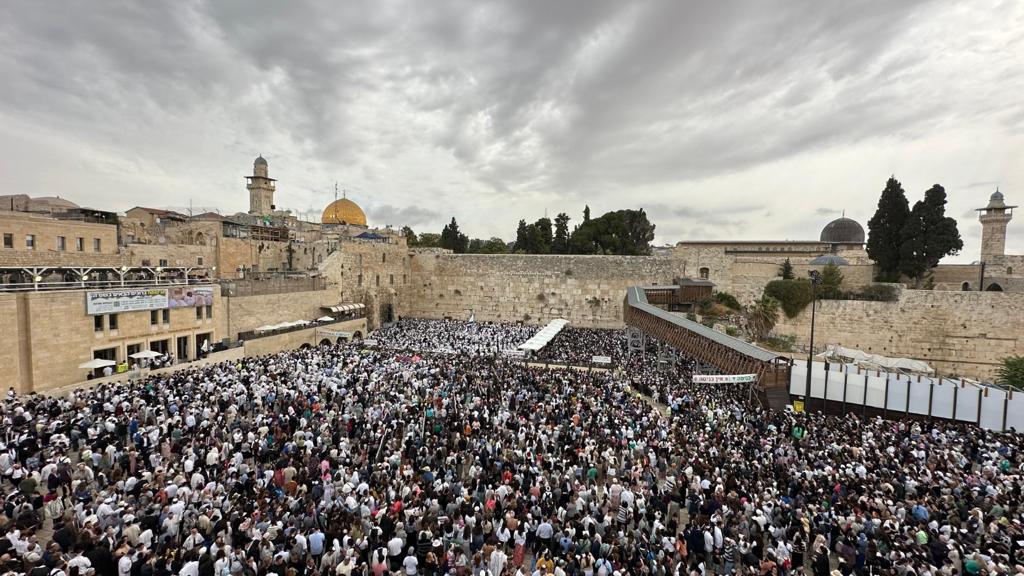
pixel 270 327
pixel 875 361
pixel 97 363
pixel 546 334
pixel 145 354
pixel 344 308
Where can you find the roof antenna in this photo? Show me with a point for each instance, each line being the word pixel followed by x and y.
pixel 844 212
pixel 335 191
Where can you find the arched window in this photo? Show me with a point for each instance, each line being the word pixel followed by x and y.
pixel 1009 270
pixel 993 287
pixel 705 273
pixel 966 286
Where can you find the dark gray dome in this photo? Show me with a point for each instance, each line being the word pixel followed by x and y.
pixel 843 231
pixel 260 160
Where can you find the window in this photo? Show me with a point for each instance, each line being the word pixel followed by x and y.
pixel 154 317
pixel 30 241
pixel 403 278
pixel 383 257
pixel 112 321
pixel 162 262
pixel 704 273
pixel 167 316
pixel 359 281
pixel 392 279
pixel 1009 270
pixel 199 312
pixel 209 311
pixel 146 262
pixel 966 286
pixel 377 280
pixel 199 261
pixel 61 244
pixel 80 244
pixel 96 244
pixel 8 240
pixel 97 323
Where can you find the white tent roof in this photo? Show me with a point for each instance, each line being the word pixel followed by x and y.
pixel 875 361
pixel 345 307
pixel 270 327
pixel 541 339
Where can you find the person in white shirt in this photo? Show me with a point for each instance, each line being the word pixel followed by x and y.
pixel 124 565
pixel 410 563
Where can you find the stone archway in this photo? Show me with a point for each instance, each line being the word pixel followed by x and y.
pixel 305 346
pixel 326 343
pixel 966 286
pixel 994 287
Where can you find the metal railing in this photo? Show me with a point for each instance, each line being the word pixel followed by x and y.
pixel 38 279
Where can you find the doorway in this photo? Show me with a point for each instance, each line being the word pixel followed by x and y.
pixel 182 349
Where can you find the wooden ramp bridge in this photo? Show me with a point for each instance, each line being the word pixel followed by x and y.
pixel 728 355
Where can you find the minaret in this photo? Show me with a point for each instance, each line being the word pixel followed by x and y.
pixel 994 219
pixel 261 189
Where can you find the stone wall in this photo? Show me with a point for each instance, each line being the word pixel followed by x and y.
pixel 46 250
pixel 183 255
pixel 245 313
pixel 586 290
pixel 377 274
pixel 957 333
pixel 52 335
pixel 310 336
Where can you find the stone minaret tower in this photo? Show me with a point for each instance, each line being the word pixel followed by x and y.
pixel 261 189
pixel 994 219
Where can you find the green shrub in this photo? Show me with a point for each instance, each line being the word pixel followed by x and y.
pixel 732 331
pixel 875 293
pixel 727 300
pixel 779 343
pixel 793 295
pixel 1011 373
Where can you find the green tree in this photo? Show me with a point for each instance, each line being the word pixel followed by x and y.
pixel 453 239
pixel 792 295
pixel 831 282
pixel 928 235
pixel 786 270
pixel 1011 372
pixel 885 230
pixel 623 232
pixel 428 240
pixel 586 213
pixel 546 235
pixel 521 240
pixel 410 236
pixel 560 243
pixel 762 316
pixel 494 245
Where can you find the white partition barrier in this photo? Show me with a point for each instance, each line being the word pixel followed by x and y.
pixel 988 406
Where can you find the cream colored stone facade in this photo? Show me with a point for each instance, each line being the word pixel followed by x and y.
pixel 245 313
pixel 307 337
pixel 83 244
pixel 959 333
pixel 50 334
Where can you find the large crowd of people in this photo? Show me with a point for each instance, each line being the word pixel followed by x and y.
pixel 345 460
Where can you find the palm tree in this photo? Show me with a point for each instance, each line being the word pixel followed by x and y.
pixel 762 316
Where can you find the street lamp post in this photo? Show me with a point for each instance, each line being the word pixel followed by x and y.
pixel 815 277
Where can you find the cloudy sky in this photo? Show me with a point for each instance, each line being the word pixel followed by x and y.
pixel 746 120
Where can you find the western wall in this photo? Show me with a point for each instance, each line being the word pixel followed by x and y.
pixel 958 333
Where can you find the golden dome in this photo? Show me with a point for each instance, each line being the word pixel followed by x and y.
pixel 344 211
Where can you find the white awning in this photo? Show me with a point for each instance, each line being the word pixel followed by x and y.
pixel 344 308
pixel 875 361
pixel 272 327
pixel 546 334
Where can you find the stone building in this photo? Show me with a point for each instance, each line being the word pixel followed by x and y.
pixel 742 268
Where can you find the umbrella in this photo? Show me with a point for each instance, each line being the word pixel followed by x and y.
pixel 325 319
pixel 144 354
pixel 97 363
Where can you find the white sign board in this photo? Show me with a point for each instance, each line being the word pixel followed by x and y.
pixel 514 353
pixel 127 300
pixel 369 342
pixel 724 378
pixel 601 359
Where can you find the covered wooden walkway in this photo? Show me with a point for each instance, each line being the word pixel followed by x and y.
pixel 725 353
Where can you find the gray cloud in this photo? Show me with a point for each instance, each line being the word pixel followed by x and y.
pixel 493 111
